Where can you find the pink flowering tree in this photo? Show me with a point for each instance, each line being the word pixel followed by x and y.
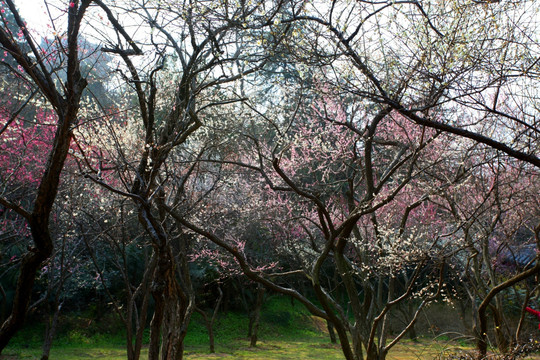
pixel 63 97
pixel 343 197
pixel 452 73
pixel 22 170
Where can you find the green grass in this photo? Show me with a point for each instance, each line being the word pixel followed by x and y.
pixel 238 350
pixel 274 349
pixel 286 332
pixel 70 353
pixel 315 347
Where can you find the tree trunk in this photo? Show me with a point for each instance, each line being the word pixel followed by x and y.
pixel 173 309
pixel 136 317
pixel 257 315
pixel 31 262
pixel 211 341
pixel 501 337
pixel 372 354
pixel 3 303
pixel 482 319
pixel 169 324
pixel 50 332
pixel 357 343
pixel 384 327
pixel 174 328
pixel 331 332
pixel 209 323
pixel 412 334
pixel 157 320
pixel 522 316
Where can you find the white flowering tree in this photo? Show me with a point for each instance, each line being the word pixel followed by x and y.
pixel 425 85
pixel 341 205
pixel 172 76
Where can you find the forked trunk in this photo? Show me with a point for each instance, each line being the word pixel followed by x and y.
pixel 372 354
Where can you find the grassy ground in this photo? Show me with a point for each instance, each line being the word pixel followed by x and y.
pixel 238 350
pixel 307 348
pixel 286 333
pixel 283 349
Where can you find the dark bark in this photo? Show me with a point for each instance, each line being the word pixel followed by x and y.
pixel 209 322
pixel 256 316
pixel 172 292
pixel 31 262
pixel 172 311
pixel 525 301
pixel 482 318
pixel 412 334
pixel 3 303
pixel 136 316
pixel 501 337
pixel 155 324
pixel 331 332
pixel 66 107
pixel 51 331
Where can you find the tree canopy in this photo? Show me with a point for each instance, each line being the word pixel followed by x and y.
pixel 379 152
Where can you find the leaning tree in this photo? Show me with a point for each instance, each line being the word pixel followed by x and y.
pixel 61 88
